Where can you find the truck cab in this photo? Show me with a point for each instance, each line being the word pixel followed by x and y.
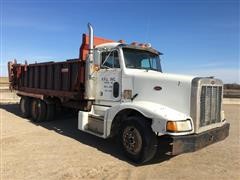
pixel 134 99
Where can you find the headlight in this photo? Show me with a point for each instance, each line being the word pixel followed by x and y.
pixel 179 126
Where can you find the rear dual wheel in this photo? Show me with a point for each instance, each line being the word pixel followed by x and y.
pixel 25 103
pixel 42 111
pixel 51 108
pixel 38 110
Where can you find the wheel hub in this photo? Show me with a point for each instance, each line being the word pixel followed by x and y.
pixel 132 140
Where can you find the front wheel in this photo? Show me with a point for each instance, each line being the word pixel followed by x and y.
pixel 138 141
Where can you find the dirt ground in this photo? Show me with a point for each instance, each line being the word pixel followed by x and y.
pixel 57 150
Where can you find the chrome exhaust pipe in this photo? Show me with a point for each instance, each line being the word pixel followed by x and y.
pixel 90 31
pixel 89 72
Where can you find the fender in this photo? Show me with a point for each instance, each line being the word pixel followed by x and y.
pixel 160 114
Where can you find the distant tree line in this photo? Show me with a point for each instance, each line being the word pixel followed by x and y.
pixel 232 86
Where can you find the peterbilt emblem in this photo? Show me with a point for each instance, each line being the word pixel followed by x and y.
pixel 212 82
pixel 157 88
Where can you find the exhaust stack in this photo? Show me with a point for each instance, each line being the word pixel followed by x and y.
pixel 90 31
pixel 89 80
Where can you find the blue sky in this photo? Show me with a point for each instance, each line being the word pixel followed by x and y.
pixel 197 37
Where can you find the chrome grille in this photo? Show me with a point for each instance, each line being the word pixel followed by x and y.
pixel 210 105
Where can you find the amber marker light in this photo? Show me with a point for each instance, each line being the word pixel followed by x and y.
pixel 171 126
pixel 121 41
pixel 134 43
pixel 142 45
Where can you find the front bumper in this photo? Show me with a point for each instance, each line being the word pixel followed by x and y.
pixel 190 143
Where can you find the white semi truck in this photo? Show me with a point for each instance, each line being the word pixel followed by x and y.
pixel 121 91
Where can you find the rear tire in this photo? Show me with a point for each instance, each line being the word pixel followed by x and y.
pixel 138 141
pixel 50 112
pixel 38 110
pixel 24 106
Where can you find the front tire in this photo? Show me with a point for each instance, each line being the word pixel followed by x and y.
pixel 138 141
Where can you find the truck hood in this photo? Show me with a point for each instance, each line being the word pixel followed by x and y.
pixel 173 91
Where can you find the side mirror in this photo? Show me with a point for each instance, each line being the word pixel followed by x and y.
pixel 97 57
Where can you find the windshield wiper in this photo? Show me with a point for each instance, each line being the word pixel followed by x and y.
pixel 105 67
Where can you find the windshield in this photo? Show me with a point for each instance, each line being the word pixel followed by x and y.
pixel 140 59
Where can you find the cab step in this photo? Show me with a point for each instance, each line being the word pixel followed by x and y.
pixel 95 124
pixel 91 123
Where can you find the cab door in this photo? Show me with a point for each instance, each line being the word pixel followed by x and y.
pixel 109 77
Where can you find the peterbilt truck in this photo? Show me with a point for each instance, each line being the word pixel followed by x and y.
pixel 120 91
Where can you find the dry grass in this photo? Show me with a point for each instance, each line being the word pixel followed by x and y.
pixel 4 82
